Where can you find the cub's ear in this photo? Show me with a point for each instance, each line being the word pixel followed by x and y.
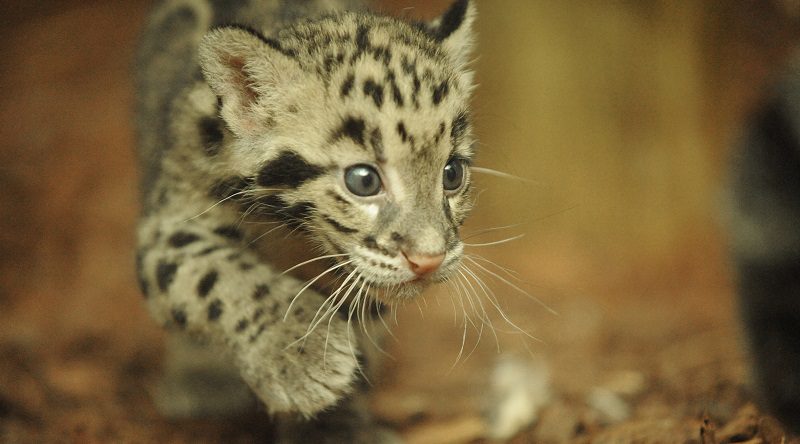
pixel 250 73
pixel 454 30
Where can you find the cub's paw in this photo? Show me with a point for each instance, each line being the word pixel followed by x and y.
pixel 296 370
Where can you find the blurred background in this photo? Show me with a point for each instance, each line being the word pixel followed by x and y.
pixel 620 117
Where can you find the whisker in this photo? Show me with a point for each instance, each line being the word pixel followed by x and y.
pixel 311 282
pixel 317 318
pixel 501 174
pixel 385 325
pixel 259 237
pixel 318 258
pixel 355 306
pixel 489 294
pixel 335 310
pixel 489 230
pixel 493 300
pixel 464 330
pixel 250 210
pixel 366 330
pixel 509 272
pixel 472 306
pixel 239 193
pixel 329 301
pixel 394 314
pixel 515 287
pixel 485 316
pixel 503 241
pixel 365 299
pixel 354 309
pixel 482 323
pixel 452 302
pixel 419 307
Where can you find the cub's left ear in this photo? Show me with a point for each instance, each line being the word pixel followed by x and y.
pixel 454 30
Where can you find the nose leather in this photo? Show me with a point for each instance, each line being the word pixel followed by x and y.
pixel 423 264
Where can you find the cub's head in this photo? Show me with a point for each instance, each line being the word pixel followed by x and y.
pixel 355 128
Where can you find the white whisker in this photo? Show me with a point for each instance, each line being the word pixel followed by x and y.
pixel 259 237
pixel 464 331
pixel 452 302
pixel 493 300
pixel 511 273
pixel 503 241
pixel 335 310
pixel 481 325
pixel 318 258
pixel 489 230
pixel 354 309
pixel 383 321
pixel 329 301
pixel 485 316
pixel 515 287
pixel 364 320
pixel 501 174
pixel 311 282
pixel 250 210
pixel 239 193
pixel 419 307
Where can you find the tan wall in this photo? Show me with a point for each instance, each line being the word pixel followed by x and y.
pixel 619 113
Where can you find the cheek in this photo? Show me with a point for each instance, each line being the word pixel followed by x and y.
pixel 370 211
pixel 343 218
pixel 459 209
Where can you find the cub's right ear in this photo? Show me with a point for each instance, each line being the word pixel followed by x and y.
pixel 454 30
pixel 249 72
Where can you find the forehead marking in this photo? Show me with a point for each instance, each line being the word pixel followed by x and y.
pixel 347 85
pixel 352 128
pixel 396 94
pixel 402 131
pixel 376 140
pixel 375 91
pixel 438 137
pixel 362 42
pixel 410 69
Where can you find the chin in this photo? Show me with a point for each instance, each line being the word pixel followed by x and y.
pixel 403 293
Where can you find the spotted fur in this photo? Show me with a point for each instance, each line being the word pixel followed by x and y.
pixel 249 114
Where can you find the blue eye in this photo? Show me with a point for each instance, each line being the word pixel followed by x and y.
pixel 453 176
pixel 362 180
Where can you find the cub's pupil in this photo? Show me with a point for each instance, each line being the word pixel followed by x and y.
pixel 362 180
pixel 453 175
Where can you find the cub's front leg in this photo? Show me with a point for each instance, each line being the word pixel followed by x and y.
pixel 200 278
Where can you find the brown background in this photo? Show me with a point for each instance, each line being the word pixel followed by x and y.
pixel 619 115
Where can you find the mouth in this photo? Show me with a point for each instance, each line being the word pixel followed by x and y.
pixel 387 282
pixel 397 292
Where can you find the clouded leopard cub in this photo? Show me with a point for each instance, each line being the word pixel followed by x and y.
pixel 275 131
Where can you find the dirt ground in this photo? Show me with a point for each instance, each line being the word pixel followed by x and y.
pixel 642 347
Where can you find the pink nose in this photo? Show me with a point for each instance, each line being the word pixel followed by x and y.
pixel 422 264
